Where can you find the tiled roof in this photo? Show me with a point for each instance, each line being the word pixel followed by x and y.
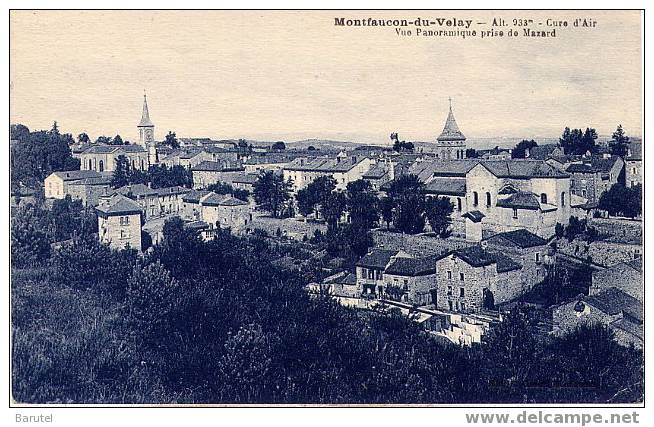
pixel 194 196
pixel 209 166
pixel 411 267
pixel 448 186
pixel 166 191
pixel 451 130
pixel 323 164
pixel 245 178
pixel 542 152
pixel 595 164
pixel 434 168
pixel 476 256
pixel 106 149
pixel 636 151
pixel 636 264
pixel 119 204
pixel 136 190
pixel 614 301
pixel 521 238
pixel 522 169
pixel 375 172
pixel 377 258
pixel 344 277
pixel 94 180
pixel 76 175
pixel 505 263
pixel 222 200
pixel 520 200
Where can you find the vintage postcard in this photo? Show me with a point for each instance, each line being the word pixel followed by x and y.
pixel 332 207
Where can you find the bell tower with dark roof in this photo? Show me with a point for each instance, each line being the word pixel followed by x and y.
pixel 451 143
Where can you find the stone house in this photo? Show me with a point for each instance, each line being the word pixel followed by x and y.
pixel 119 222
pixel 190 205
pixel 145 196
pixel 634 165
pixel 529 250
pixel 244 181
pixel 606 251
pixel 225 211
pixel 57 183
pixel 593 176
pixel 89 190
pixel 626 276
pixel 473 279
pixel 370 272
pixel 102 158
pixel 342 284
pixel 411 280
pixel 170 199
pixel 611 307
pixel 207 173
pixel 344 170
pixel 190 157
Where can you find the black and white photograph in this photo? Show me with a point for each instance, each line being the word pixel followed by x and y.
pixel 327 208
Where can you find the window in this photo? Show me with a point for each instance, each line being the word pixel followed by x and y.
pixel 461 278
pixel 463 306
pixel 124 220
pixel 488 199
pixel 449 303
pixel 101 166
pixel 449 290
pixel 537 257
pixel 142 165
pixel 449 275
pixel 563 198
pixel 458 203
pixel 543 198
pixel 475 199
pixel 462 292
pixel 124 234
pixel 515 213
pixel 363 273
pixel 633 170
pixel 583 193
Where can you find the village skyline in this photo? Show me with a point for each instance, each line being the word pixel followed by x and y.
pixel 216 81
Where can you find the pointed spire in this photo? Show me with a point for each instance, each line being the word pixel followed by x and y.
pixel 145 118
pixel 451 130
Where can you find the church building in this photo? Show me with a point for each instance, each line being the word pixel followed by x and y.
pixel 450 144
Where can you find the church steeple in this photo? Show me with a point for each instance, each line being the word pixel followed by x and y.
pixel 145 117
pixel 451 130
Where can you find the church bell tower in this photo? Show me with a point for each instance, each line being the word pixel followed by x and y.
pixel 146 132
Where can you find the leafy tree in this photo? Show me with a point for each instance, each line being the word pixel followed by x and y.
pixel 520 150
pixel 315 196
pixel 224 188
pixel 623 201
pixel 171 140
pixel 471 153
pixel 400 145
pixel 334 207
pixel 121 174
pixel 619 143
pixel 151 293
pixel 272 193
pixel 68 218
pixel 279 145
pixel 162 176
pixel 577 141
pixel 559 229
pixel 83 138
pixel 408 196
pixel 439 214
pixel 362 204
pixel 19 132
pixel 102 139
pixel 117 140
pixel 29 241
pixel 386 207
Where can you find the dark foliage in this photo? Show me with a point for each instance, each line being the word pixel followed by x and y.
pixel 520 150
pixel 577 141
pixel 272 194
pixel 622 201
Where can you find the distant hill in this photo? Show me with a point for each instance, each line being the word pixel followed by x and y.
pixel 323 144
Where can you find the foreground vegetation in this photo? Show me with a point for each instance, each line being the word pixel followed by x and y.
pixel 221 322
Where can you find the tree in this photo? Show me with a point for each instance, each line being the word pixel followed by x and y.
pixel 578 142
pixel 272 193
pixel 438 211
pixel 121 174
pixel 311 148
pixel 117 140
pixel 29 242
pixel 619 143
pixel 362 204
pixel 623 201
pixel 471 153
pixel 171 140
pixel 83 138
pixel 400 145
pixel 520 150
pixel 224 188
pixel 150 294
pixel 19 132
pixel 315 197
pixel 161 176
pixel 102 139
pixel 333 208
pixel 407 193
pixel 279 145
pixel 386 207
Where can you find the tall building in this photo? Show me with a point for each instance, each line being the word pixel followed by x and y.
pixel 451 143
pixel 146 133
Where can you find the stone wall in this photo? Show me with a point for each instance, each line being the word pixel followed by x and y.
pixel 628 229
pixel 289 227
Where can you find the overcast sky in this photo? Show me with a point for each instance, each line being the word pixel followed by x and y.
pixel 294 75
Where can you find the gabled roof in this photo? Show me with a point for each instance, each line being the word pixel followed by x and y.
pixel 411 267
pixel 168 191
pixel 377 258
pixel 635 152
pixel 214 199
pixel 94 180
pixel 520 200
pixel 76 175
pixel 119 204
pixel 520 238
pixel 106 149
pixel 614 301
pixel 435 168
pixel 136 190
pixel 594 164
pixel 451 130
pixel 474 216
pixel 209 166
pixel 194 196
pixel 522 169
pixel 542 152
pixel 245 178
pixel 476 256
pixel 446 186
pixel 375 172
pixel 324 164
pixel 344 278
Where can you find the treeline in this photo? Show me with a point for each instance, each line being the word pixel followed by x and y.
pixel 35 155
pixel 222 322
pixel 158 176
